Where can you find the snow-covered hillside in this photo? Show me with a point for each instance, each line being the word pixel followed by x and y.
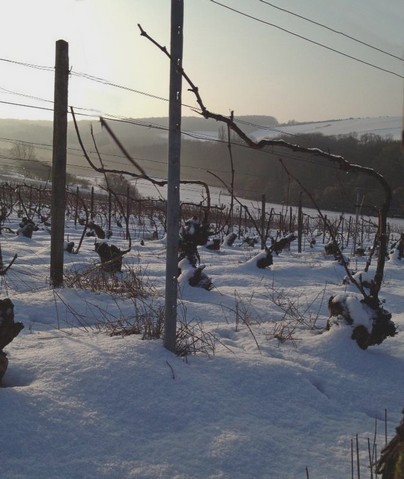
pixel 384 126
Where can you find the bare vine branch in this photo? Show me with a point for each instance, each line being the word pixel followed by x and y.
pixel 343 164
pixel 229 121
pixel 250 216
pixel 123 149
pixel 142 174
pixel 330 230
pixel 128 235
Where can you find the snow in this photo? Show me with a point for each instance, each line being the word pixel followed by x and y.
pixel 386 127
pixel 275 395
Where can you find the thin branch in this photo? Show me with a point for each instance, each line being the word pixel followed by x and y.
pixel 114 194
pixel 234 127
pixel 330 230
pixel 344 165
pixel 143 174
pixel 3 271
pixel 256 226
pixel 123 149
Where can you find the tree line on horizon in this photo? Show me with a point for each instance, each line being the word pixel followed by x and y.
pixel 260 172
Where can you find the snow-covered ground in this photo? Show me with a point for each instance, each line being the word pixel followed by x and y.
pixel 276 397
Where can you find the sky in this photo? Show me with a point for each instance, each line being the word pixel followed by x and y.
pixel 239 63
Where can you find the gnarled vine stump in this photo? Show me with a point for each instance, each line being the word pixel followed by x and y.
pixel 391 462
pixel 371 324
pixel 8 331
pixel 111 257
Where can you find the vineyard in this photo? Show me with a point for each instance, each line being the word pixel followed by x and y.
pixel 258 371
pixel 147 216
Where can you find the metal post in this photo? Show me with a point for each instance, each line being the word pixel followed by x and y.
pixel 173 190
pixel 59 162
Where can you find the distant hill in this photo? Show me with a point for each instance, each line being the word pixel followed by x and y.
pixel 386 127
pixel 145 130
pixel 368 141
pixel 146 138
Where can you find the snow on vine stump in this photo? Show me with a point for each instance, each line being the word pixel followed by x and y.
pixel 26 228
pixel 251 242
pixel 193 275
pixel 365 279
pixel 95 230
pixel 370 325
pixel 111 257
pixel 8 330
pixel 397 252
pixel 213 244
pixel 68 246
pixel 229 239
pixel 282 244
pixel 193 234
pixel 331 249
pixel 262 260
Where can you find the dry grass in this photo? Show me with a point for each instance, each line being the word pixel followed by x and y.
pixel 131 283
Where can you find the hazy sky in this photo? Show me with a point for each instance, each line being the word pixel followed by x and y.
pixel 238 63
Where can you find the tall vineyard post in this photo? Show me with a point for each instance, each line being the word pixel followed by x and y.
pixel 59 162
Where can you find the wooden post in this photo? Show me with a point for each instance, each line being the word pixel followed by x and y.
pixel 342 229
pixel 299 225
pixel 263 235
pixel 39 202
pixel 59 162
pixel 109 210
pixel 30 200
pixel 349 231
pixel 173 187
pixel 127 210
pixel 271 214
pixel 76 208
pixel 290 220
pixel 92 215
pixel 239 221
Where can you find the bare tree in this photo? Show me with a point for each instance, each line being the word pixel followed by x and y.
pixel 24 154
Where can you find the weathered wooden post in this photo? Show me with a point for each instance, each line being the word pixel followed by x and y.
pixel 109 210
pixel 290 219
pixel 300 225
pixel 92 215
pixel 324 227
pixel 173 190
pixel 128 206
pixel 59 163
pixel 263 229
pixel 76 207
